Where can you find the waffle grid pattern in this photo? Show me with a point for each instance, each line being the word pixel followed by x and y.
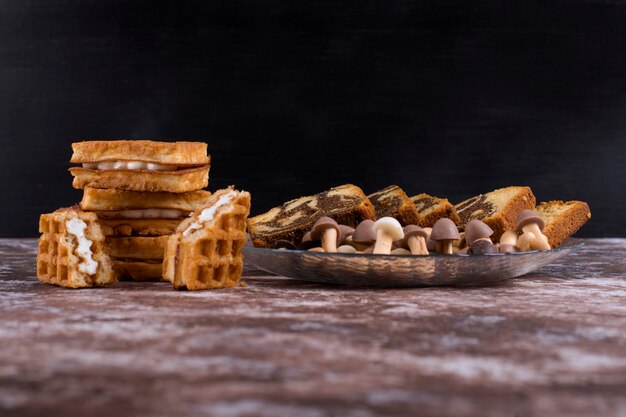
pixel 56 262
pixel 213 256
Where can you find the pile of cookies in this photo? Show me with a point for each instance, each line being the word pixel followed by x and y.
pixel 390 222
pixel 144 216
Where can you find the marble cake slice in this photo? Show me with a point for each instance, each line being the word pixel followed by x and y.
pixel 392 201
pixel 497 208
pixel 431 209
pixel 563 219
pixel 347 204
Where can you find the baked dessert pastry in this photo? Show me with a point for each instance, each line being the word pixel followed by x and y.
pixel 431 209
pixel 156 152
pixel 207 249
pixel 138 270
pixel 562 219
pixel 346 204
pixel 70 252
pixel 109 202
pixel 138 227
pixel 392 201
pixel 136 247
pixel 178 181
pixel 141 165
pixel 498 208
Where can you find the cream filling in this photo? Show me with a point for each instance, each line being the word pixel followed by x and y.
pixel 144 214
pixel 77 228
pixel 208 214
pixel 129 165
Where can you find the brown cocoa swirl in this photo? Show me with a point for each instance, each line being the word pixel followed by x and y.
pixel 306 214
pixel 385 205
pixel 423 204
pixel 466 209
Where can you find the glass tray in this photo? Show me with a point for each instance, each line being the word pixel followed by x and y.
pixel 368 270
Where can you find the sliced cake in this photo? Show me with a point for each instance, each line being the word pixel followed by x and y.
pixel 346 204
pixel 563 219
pixel 392 201
pixel 497 208
pixel 431 209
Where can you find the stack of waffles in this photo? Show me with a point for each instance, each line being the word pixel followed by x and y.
pixel 140 191
pixel 143 209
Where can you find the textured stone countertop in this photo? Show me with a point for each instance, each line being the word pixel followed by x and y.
pixel 549 343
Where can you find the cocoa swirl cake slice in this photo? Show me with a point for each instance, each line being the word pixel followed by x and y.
pixel 392 201
pixel 563 219
pixel 497 208
pixel 346 204
pixel 431 209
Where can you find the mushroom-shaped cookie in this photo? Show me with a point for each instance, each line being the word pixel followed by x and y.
pixel 475 230
pixel 306 243
pixel 328 232
pixel 444 233
pixel 477 236
pixel 369 249
pixel 364 235
pixel 528 222
pixel 387 230
pixel 415 239
pixel 430 244
pixel 346 249
pixel 346 232
pixel 400 251
pixel 508 240
pixel 481 247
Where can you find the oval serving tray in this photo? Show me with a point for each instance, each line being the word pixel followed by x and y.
pixel 403 270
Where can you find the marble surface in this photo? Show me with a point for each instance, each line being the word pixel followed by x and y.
pixel 549 343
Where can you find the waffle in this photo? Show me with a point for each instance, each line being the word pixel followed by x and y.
pixel 58 259
pixel 206 250
pixel 346 204
pixel 178 181
pixel 140 248
pixel 97 199
pixel 169 153
pixel 138 270
pixel 563 219
pixel 431 209
pixel 139 227
pixel 392 201
pixel 497 208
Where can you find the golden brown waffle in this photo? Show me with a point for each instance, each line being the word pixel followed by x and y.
pixel 169 153
pixel 136 247
pixel 205 254
pixel 431 209
pixel 179 181
pixel 138 270
pixel 392 201
pixel 58 259
pixel 139 227
pixel 346 204
pixel 563 219
pixel 99 199
pixel 498 208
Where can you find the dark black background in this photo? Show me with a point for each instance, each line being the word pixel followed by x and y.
pixel 452 98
